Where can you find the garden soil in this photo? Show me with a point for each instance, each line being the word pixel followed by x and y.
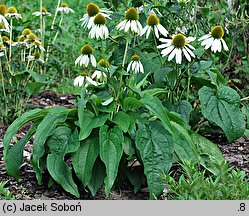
pixel 236 153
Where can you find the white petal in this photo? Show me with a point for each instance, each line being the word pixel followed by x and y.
pixel 172 54
pixel 127 26
pixel 163 45
pixel 204 37
pixel 215 45
pixel 156 32
pixel 224 44
pixel 190 39
pixel 144 30
pixel 209 43
pixel 186 54
pixel 178 56
pixel 129 66
pixel 139 26
pixel 93 60
pixel 78 59
pixel 190 46
pixel 166 40
pixel 189 51
pixel 148 32
pixel 133 66
pixel 167 50
pixel 121 25
pixel 134 26
pixel 162 30
pixel 141 67
pixel 219 45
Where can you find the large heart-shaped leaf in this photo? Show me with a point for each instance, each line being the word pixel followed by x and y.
pixel 222 107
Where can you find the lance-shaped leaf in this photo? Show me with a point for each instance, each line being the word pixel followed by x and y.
pixel 156 147
pixel 110 153
pixel 84 158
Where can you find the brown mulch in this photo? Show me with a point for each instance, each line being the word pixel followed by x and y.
pixel 236 153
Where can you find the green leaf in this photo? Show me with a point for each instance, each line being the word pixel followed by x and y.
pixel 155 106
pixel 128 147
pixel 34 87
pixel 131 103
pixel 209 153
pixel 83 160
pixel 88 121
pixel 56 116
pixel 122 120
pixel 135 176
pixel 32 115
pixel 222 107
pixel 184 146
pixel 110 153
pixel 184 108
pixel 58 169
pixel 156 148
pixel 16 152
pixel 98 176
pixel 61 173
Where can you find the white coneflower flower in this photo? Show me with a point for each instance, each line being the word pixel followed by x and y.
pixel 86 56
pixel 99 29
pixel 43 12
pixel 3 20
pixel 84 80
pixel 100 75
pixel 6 40
pixel 176 46
pixel 131 22
pixel 65 9
pixel 37 45
pixel 135 65
pixel 12 13
pixel 91 11
pixel 214 39
pixel 30 38
pixel 153 24
pixel 26 32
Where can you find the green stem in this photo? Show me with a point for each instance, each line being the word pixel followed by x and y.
pixel 3 86
pixel 245 98
pixel 56 35
pixel 41 21
pixel 189 78
pixel 126 50
pixel 11 26
pixel 51 29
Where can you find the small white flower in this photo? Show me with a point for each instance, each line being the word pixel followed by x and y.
pixel 92 10
pixel 99 76
pixel 135 65
pixel 86 57
pixel 84 80
pixel 65 9
pixel 214 40
pixel 99 29
pixel 43 12
pixel 131 22
pixel 177 46
pixel 12 13
pixel 153 24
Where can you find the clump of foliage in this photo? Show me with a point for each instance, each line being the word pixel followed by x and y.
pixel 197 184
pixel 5 194
pixel 138 103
